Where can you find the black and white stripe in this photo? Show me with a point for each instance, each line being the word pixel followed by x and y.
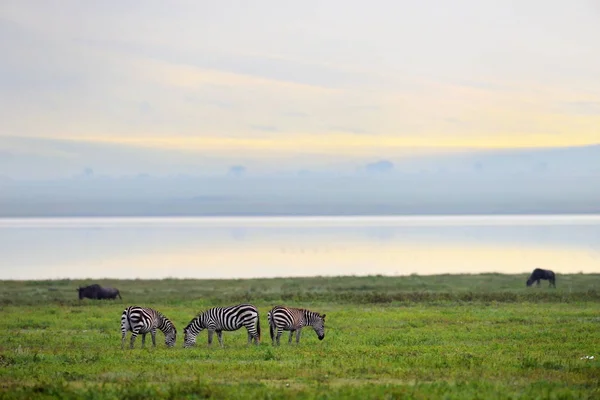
pixel 221 319
pixel 146 320
pixel 293 319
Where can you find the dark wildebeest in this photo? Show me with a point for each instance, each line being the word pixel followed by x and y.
pixel 97 292
pixel 539 274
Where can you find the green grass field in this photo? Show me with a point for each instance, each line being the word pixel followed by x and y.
pixel 463 337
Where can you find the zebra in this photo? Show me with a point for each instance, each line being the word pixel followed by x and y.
pixel 219 319
pixel 293 319
pixel 143 320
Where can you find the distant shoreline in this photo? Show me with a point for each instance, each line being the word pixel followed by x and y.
pixel 108 280
pixel 301 215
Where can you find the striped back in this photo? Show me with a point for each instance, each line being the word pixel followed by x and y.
pixel 223 319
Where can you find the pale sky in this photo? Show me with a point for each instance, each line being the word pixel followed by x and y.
pixel 337 78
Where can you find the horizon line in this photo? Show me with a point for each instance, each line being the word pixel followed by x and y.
pixel 315 144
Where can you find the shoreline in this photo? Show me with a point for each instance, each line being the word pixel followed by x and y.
pixel 294 278
pixel 301 215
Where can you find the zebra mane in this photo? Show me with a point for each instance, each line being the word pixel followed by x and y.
pixel 196 318
pixel 166 321
pixel 202 313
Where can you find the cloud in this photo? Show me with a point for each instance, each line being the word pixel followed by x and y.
pixel 237 170
pixel 194 76
pixel 453 121
pixel 365 108
pixel 188 75
pixel 204 100
pixel 382 166
pixel 145 107
pixel 296 114
pixel 582 107
pixel 264 128
pixel 284 70
pixel 483 85
pixel 346 129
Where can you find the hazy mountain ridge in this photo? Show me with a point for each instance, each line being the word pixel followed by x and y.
pixel 509 181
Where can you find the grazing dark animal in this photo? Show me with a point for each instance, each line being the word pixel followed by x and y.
pixel 219 319
pixel 97 292
pixel 293 319
pixel 143 320
pixel 539 274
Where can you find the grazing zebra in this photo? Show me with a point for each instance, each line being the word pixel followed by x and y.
pixel 143 320
pixel 221 319
pixel 293 319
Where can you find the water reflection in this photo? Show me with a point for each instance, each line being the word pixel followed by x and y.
pixel 269 247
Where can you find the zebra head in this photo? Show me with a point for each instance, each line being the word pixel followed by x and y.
pixel 170 337
pixel 189 336
pixel 318 324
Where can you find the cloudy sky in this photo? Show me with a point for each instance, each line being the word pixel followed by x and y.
pixel 286 81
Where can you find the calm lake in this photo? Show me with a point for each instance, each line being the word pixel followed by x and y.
pixel 245 247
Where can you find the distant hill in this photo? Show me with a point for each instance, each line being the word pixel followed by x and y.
pixel 565 180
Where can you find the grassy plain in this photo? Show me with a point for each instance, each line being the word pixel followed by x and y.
pixel 448 336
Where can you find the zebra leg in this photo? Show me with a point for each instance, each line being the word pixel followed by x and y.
pixel 133 336
pixel 291 335
pixel 220 337
pixel 124 328
pixel 249 338
pixel 143 340
pixel 210 336
pixel 298 335
pixel 278 336
pixel 153 334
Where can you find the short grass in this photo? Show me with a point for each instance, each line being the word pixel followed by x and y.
pixel 464 336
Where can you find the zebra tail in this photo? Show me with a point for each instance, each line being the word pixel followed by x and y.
pixel 271 331
pixel 129 320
